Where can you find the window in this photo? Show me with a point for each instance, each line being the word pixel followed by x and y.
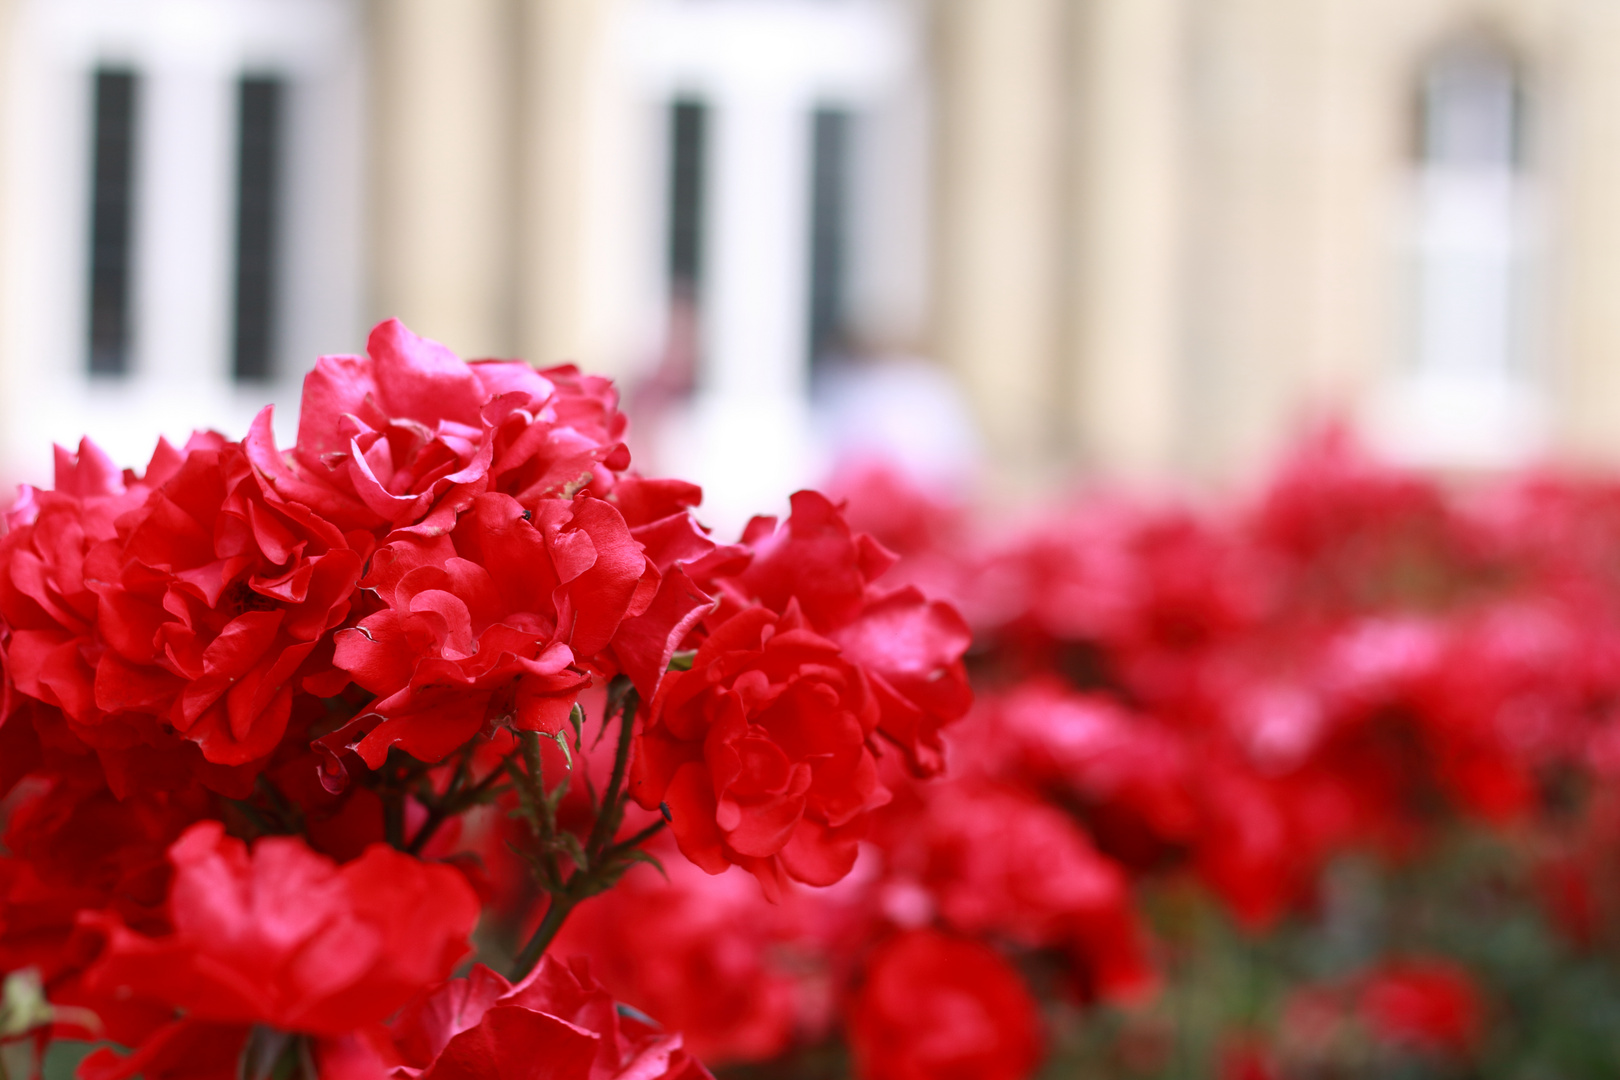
pixel 111 211
pixel 831 137
pixel 689 124
pixel 259 113
pixel 1470 227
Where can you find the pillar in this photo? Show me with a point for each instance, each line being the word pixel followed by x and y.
pixel 1124 367
pixel 998 273
pixel 442 170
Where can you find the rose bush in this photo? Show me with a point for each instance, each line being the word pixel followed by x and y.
pixel 279 726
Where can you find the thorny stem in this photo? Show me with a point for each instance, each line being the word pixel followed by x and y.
pixel 556 913
pixel 604 861
pixel 456 798
pixel 613 798
pixel 392 785
pixel 580 887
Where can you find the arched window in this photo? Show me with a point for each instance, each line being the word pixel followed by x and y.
pixel 1469 383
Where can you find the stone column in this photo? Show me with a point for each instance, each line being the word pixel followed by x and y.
pixel 1125 293
pixel 442 169
pixel 1254 210
pixel 562 56
pixel 1001 68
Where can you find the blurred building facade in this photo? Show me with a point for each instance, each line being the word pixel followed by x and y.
pixel 1144 237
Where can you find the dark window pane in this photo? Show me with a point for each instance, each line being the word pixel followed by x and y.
pixel 1472 109
pixel 257 193
pixel 829 229
pixel 111 208
pixel 689 121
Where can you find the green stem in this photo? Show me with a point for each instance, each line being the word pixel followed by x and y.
pixel 562 904
pixel 631 843
pixel 604 860
pixel 454 802
pixel 608 817
pixel 394 817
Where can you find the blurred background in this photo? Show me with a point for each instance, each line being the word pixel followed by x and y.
pixel 1010 239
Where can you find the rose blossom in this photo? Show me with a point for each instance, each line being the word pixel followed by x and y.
pixel 283 937
pixel 761 752
pixel 909 648
pixel 484 1028
pixel 935 1007
pixel 494 620
pixel 411 432
pixel 198 612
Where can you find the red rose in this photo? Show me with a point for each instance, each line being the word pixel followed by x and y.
pixel 410 430
pixel 287 938
pixel 495 620
pixel 909 647
pixel 706 955
pixel 48 608
pixel 199 612
pixel 1428 1005
pixel 1136 778
pixel 659 515
pixel 761 751
pixel 997 860
pixel 483 1028
pixel 935 1007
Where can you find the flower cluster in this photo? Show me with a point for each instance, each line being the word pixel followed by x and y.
pixel 1347 736
pixel 281 727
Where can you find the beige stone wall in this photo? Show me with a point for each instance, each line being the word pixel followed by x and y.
pixel 1229 194
pixel 562 52
pixel 1003 81
pixel 1123 390
pixel 443 169
pixel 1166 231
pixel 1587 230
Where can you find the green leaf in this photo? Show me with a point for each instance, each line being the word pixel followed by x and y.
pixel 569 844
pixel 632 1013
pixel 562 744
pixel 576 717
pixel 641 855
pixel 682 661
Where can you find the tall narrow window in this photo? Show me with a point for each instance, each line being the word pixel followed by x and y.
pixel 257 195
pixel 1470 216
pixel 688 183
pixel 689 124
pixel 831 131
pixel 111 210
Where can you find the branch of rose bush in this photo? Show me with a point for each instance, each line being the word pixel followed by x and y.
pixel 601 861
pixel 458 797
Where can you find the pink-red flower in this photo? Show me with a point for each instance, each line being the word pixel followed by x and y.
pixel 194 614
pixel 995 861
pixel 909 647
pixel 558 1023
pixel 496 620
pixel 762 752
pixel 708 956
pixel 1428 1005
pixel 406 435
pixel 286 938
pixel 936 1007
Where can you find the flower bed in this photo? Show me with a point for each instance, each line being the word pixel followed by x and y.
pixel 444 744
